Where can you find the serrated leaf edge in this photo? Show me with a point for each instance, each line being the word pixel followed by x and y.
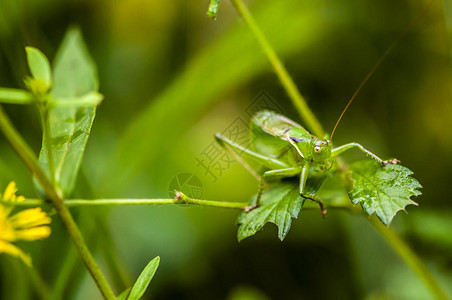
pixel 281 233
pixel 415 192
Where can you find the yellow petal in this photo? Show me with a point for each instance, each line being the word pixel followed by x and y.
pixel 7 234
pixel 10 249
pixel 5 210
pixel 32 234
pixel 10 191
pixel 29 218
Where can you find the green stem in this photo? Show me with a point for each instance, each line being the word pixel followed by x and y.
pixel 15 96
pixel 188 202
pixel 297 99
pixel 409 257
pixel 24 152
pixel 113 202
pixel 27 155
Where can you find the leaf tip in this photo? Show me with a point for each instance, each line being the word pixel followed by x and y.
pixel 39 66
pixel 241 237
pixel 29 49
pixel 213 9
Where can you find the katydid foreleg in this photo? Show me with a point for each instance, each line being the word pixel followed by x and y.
pixel 343 148
pixel 303 179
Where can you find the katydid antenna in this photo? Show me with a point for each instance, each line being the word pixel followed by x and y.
pixel 378 63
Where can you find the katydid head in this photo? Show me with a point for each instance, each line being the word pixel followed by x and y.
pixel 309 146
pixel 321 150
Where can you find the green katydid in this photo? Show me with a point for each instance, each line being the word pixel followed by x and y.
pixel 286 149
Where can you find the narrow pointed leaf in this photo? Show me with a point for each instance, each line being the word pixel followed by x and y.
pixel 383 190
pixel 279 205
pixel 75 76
pixel 39 66
pixel 14 96
pixel 143 281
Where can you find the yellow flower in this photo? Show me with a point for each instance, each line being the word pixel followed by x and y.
pixel 27 225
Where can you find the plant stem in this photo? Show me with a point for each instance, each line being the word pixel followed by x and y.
pixel 24 152
pixel 15 96
pixel 297 99
pixel 27 155
pixel 113 202
pixel 409 257
pixel 188 202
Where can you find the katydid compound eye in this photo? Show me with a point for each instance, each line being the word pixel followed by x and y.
pixel 317 149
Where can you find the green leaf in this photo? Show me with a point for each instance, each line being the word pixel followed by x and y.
pixel 145 278
pixel 140 286
pixel 383 190
pixel 14 96
pixel 279 205
pixel 213 9
pixel 39 67
pixel 75 76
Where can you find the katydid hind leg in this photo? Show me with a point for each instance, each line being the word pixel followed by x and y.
pixel 229 148
pixel 267 161
pixel 303 179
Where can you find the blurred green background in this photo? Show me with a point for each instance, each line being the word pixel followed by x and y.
pixel 172 78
